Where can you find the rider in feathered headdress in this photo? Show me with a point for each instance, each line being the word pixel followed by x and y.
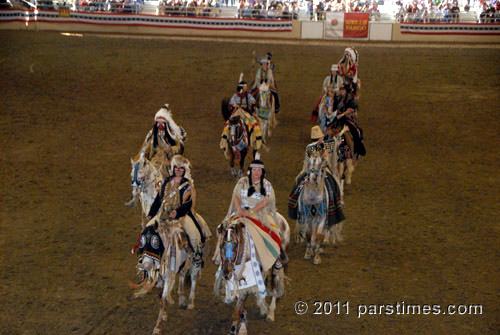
pixel 166 137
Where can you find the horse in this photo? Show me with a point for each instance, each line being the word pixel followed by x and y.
pixel 238 142
pixel 265 111
pixel 240 272
pixel 313 207
pixel 350 148
pixel 144 178
pixel 176 258
pixel 241 133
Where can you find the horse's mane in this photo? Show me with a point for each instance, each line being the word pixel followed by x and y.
pixel 226 112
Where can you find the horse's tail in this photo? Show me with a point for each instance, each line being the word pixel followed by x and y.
pixel 226 112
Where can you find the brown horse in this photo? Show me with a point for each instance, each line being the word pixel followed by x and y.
pixel 241 132
pixel 238 143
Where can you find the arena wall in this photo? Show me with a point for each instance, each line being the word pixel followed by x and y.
pixel 472 33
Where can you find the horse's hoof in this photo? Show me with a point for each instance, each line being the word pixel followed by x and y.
pixel 130 203
pixel 157 331
pixel 190 306
pixel 270 318
pixel 170 300
pixel 317 261
pixel 307 255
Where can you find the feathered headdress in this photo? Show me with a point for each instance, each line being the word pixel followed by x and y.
pixel 165 114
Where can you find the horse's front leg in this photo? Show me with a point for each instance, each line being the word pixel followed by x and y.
pixel 169 287
pixel 242 162
pixel 162 315
pixel 309 239
pixel 316 242
pixel 180 291
pixel 349 169
pixel 237 313
pixel 231 161
pixel 195 270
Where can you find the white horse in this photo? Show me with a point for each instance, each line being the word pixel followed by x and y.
pixel 144 178
pixel 238 275
pixel 265 111
pixel 313 207
pixel 177 259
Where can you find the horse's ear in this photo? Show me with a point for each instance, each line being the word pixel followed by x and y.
pixel 156 225
pixel 241 224
pixel 220 228
pixel 132 160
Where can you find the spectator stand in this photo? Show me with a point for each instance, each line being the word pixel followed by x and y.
pixel 383 11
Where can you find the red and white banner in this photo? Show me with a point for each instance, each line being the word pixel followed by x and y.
pixel 340 25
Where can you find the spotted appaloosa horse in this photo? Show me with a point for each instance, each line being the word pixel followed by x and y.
pixel 177 258
pixel 240 274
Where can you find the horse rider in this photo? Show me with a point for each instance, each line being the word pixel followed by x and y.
pixel 265 75
pixel 253 197
pixel 333 80
pixel 165 138
pixel 179 189
pixel 268 56
pixel 326 148
pixel 162 142
pixel 327 108
pixel 242 98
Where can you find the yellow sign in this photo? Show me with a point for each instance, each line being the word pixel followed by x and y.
pixel 64 11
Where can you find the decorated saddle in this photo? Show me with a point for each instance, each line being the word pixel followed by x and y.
pixel 335 211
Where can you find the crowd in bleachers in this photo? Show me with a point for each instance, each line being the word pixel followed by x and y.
pixel 349 6
pixel 428 11
pixel 317 12
pixel 275 9
pixel 407 10
pixel 489 13
pixel 113 6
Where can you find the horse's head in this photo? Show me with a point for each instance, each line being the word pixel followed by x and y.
pixel 264 94
pixel 236 130
pixel 315 173
pixel 231 247
pixel 138 174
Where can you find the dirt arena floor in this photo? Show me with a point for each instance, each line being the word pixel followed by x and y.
pixel 422 213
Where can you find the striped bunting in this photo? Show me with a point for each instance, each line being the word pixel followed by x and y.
pixel 450 28
pixel 113 19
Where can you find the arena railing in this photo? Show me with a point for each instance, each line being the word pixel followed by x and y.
pixel 435 16
pixel 321 15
